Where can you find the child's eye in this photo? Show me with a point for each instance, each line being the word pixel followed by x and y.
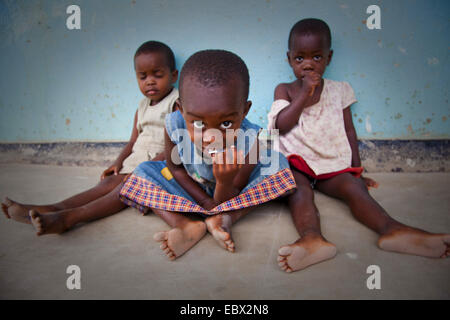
pixel 198 124
pixel 299 59
pixel 317 58
pixel 226 125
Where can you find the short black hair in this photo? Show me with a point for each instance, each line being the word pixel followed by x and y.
pixel 156 46
pixel 311 26
pixel 212 68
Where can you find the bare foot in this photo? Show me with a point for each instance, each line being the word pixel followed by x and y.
pixel 417 242
pixel 305 252
pixel 16 211
pixel 48 223
pixel 219 226
pixel 177 241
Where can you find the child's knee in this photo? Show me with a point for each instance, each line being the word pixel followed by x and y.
pixel 112 181
pixel 353 187
pixel 303 193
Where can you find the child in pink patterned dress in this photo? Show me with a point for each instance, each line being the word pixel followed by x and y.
pixel 317 135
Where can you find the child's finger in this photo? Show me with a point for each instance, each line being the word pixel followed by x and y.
pixel 241 157
pixel 217 158
pixel 104 174
pixel 213 158
pixel 370 183
pixel 228 156
pixel 233 155
pixel 374 184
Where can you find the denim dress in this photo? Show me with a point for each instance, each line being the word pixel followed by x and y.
pixel 151 185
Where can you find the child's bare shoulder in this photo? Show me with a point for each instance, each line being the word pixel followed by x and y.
pixel 282 91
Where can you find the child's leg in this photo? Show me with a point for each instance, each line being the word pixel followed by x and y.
pixel 185 233
pixel 20 212
pixel 220 226
pixel 60 221
pixel 311 247
pixel 394 236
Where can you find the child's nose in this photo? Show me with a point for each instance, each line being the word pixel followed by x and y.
pixel 151 81
pixel 208 136
pixel 307 66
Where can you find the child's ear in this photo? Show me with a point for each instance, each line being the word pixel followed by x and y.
pixel 247 108
pixel 174 76
pixel 330 55
pixel 177 105
pixel 288 57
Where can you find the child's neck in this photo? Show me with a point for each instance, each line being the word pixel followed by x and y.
pixel 153 102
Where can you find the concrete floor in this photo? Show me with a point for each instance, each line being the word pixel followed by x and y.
pixel 119 260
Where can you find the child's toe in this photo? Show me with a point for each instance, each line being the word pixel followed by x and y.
pixel 285 251
pixel 160 236
pixel 163 245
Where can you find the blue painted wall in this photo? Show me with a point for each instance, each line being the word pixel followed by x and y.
pixel 79 85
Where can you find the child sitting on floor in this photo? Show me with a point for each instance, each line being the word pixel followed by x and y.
pixel 317 135
pixel 156 73
pixel 214 165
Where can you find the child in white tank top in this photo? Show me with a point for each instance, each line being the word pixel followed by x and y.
pixel 156 73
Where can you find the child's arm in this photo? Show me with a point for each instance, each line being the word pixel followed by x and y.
pixel 126 151
pixel 353 140
pixel 233 176
pixel 159 157
pixel 288 117
pixel 185 181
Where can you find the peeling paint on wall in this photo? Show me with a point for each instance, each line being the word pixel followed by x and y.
pixel 368 124
pixel 376 155
pixel 433 61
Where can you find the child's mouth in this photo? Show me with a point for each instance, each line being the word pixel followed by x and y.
pixel 215 151
pixel 212 149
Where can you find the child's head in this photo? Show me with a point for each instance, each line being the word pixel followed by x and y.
pixel 154 63
pixel 214 86
pixel 309 47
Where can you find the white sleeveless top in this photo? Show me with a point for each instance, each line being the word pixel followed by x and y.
pixel 150 127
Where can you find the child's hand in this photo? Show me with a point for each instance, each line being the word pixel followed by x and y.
pixel 370 183
pixel 310 81
pixel 114 169
pixel 227 164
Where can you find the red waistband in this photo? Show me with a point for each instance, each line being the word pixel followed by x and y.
pixel 300 164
